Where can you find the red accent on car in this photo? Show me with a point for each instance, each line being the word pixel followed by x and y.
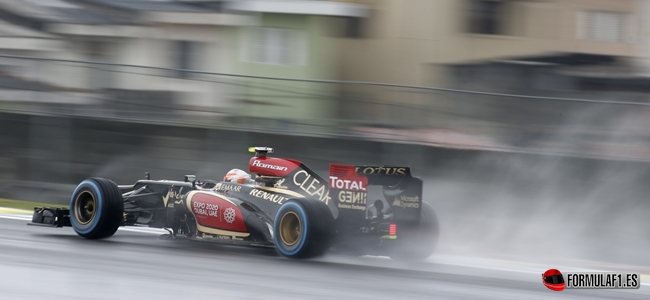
pixel 553 280
pixel 215 212
pixel 392 229
pixel 272 166
pixel 344 177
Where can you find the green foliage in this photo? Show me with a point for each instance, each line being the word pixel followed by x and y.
pixel 26 205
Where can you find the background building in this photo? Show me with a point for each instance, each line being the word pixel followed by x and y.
pixel 259 38
pixel 564 48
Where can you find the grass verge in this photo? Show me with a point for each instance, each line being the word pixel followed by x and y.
pixel 26 205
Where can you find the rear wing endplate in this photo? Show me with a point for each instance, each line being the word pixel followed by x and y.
pixel 355 189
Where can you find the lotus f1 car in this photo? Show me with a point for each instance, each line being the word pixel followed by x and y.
pixel 363 210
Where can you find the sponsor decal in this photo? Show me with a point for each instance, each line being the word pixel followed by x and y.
pixel 351 206
pixel 275 198
pixel 554 280
pixel 221 237
pixel 407 202
pixel 226 187
pixel 312 186
pixel 352 200
pixel 278 184
pixel 345 184
pixel 173 195
pixel 352 197
pixel 205 209
pixel 229 215
pixel 215 214
pixel 414 199
pixel 381 170
pixel 260 164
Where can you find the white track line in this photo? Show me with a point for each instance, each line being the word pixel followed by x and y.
pixel 16 217
pixel 510 266
pixel 24 217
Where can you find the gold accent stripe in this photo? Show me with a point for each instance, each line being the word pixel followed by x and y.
pixel 188 197
pixel 221 231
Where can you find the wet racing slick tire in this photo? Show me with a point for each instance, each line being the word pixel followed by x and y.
pixel 96 208
pixel 303 228
pixel 419 243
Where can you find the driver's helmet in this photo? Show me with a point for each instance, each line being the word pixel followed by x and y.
pixel 237 176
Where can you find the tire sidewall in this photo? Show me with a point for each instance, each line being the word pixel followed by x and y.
pixel 93 188
pixel 294 250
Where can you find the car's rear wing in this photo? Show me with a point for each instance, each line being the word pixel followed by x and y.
pixel 363 192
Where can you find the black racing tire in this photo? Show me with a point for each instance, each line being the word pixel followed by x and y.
pixel 96 208
pixel 419 243
pixel 303 228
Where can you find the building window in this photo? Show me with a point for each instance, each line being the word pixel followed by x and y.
pixel 275 46
pixel 605 26
pixel 486 16
pixel 184 57
pixel 353 27
pixel 99 77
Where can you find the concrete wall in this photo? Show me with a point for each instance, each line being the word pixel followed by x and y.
pixel 39 151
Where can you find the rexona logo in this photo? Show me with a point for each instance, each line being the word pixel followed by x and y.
pixel 260 164
pixel 345 184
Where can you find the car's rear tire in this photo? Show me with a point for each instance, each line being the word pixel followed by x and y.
pixel 419 243
pixel 96 208
pixel 303 228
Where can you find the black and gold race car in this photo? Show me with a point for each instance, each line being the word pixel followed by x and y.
pixel 363 210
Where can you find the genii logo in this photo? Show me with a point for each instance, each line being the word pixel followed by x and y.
pixel 553 279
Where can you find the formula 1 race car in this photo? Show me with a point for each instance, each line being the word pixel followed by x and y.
pixel 362 210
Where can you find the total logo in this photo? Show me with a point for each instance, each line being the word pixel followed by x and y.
pixel 260 164
pixel 344 184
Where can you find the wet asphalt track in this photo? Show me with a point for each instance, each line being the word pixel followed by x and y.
pixel 46 263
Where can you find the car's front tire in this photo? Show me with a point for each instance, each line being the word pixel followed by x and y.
pixel 96 208
pixel 303 228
